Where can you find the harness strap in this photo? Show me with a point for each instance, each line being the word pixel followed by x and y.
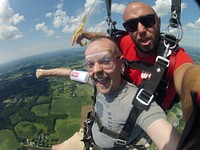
pixel 145 94
pixel 175 8
pixel 119 143
pixel 102 128
pixel 170 93
pixel 147 67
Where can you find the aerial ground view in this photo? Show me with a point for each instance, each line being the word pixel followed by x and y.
pixel 37 113
pixel 40 112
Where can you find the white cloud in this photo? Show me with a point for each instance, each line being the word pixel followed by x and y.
pixel 8 32
pixel 118 8
pixel 44 28
pixel 60 17
pixel 8 20
pixel 16 18
pixel 163 7
pixel 100 27
pixel 195 25
pixel 48 15
pixel 69 24
pixel 91 8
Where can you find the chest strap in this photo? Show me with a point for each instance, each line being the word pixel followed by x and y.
pixel 141 102
pixel 145 93
pixel 102 128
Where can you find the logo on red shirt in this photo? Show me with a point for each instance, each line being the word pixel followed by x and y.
pixel 145 75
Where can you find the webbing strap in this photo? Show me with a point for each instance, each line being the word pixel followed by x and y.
pixel 131 121
pixel 102 128
pixel 157 74
pixel 108 6
pixel 145 94
pixel 175 8
pixel 147 67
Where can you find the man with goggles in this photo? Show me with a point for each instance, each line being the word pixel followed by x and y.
pixel 114 97
pixel 141 43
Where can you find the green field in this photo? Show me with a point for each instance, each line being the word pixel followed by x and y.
pixel 35 108
pixel 32 107
pixel 6 136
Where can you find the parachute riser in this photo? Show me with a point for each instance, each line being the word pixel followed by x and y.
pixel 171 39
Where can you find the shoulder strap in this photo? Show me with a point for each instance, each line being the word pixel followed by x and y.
pixel 145 94
pixel 147 67
pixel 163 62
pixel 116 33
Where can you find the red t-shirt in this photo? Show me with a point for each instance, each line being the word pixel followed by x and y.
pixel 129 51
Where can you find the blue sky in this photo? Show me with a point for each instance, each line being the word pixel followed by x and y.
pixel 29 27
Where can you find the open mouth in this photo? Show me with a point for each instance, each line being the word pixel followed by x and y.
pixel 102 81
pixel 145 42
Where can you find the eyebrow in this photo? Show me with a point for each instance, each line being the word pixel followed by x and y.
pixel 96 54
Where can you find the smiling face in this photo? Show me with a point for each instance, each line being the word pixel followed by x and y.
pixel 145 36
pixel 102 61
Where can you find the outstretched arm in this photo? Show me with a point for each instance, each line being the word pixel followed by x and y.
pixel 59 72
pixel 191 82
pixel 178 76
pixel 84 34
pixel 163 134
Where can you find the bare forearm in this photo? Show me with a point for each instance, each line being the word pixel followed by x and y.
pixel 191 82
pixel 59 72
pixel 164 135
pixel 91 35
pixel 178 76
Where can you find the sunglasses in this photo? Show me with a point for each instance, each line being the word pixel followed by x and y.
pixel 147 21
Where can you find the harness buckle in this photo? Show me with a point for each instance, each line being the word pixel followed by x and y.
pixel 120 142
pixel 163 59
pixel 144 97
pixel 87 123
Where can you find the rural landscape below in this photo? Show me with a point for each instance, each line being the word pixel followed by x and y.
pixel 37 113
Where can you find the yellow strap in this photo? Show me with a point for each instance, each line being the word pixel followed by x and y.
pixel 80 28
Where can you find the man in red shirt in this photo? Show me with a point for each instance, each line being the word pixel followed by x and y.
pixel 141 44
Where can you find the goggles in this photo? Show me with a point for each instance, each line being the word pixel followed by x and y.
pixel 103 59
pixel 147 21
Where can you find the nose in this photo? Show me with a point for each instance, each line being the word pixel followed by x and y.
pixel 97 68
pixel 140 28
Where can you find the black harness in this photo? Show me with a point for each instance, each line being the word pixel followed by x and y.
pixel 147 92
pixel 161 74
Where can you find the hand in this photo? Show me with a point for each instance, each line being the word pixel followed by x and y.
pixel 77 39
pixel 58 147
pixel 40 73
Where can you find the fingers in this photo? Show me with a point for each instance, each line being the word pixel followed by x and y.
pixel 83 43
pixel 73 40
pixel 39 73
pixel 77 38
